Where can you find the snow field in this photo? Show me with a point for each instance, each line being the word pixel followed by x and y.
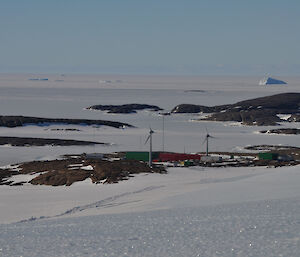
pixel 187 212
pixel 263 228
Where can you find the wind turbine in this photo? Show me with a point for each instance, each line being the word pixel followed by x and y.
pixel 206 140
pixel 150 143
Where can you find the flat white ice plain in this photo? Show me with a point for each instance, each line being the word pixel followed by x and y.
pixel 67 97
pixel 187 212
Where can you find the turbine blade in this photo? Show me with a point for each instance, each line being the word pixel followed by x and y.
pixel 147 139
pixel 150 130
pixel 206 130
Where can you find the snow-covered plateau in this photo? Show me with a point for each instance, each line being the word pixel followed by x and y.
pixel 195 211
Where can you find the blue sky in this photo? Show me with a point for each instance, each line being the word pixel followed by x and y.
pixel 198 37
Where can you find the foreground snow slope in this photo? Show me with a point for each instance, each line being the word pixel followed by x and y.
pixel 190 211
pixel 181 187
pixel 263 228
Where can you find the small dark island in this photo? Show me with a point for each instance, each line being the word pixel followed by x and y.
pixel 125 108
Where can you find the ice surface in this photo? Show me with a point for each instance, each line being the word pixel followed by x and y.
pixel 89 167
pixel 266 228
pixel 284 116
pixel 187 212
pixel 22 178
pixel 211 213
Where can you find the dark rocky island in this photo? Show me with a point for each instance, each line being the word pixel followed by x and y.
pixel 285 131
pixel 125 108
pixel 28 141
pixel 18 121
pixel 259 111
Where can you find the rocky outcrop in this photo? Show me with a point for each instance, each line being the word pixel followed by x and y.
pixel 285 131
pixel 251 117
pixel 18 121
pixel 28 141
pixel 258 111
pixel 101 171
pixel 125 108
pixel 60 177
pixel 5 174
pixel 71 170
pixel 193 108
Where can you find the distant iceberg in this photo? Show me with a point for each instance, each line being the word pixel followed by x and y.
pixel 39 79
pixel 270 81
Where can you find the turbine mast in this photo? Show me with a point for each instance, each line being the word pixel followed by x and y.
pixel 150 143
pixel 150 150
pixel 207 136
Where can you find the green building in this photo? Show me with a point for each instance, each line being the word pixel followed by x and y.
pixel 141 156
pixel 268 156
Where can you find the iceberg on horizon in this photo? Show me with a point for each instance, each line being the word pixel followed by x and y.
pixel 271 81
pixel 38 79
